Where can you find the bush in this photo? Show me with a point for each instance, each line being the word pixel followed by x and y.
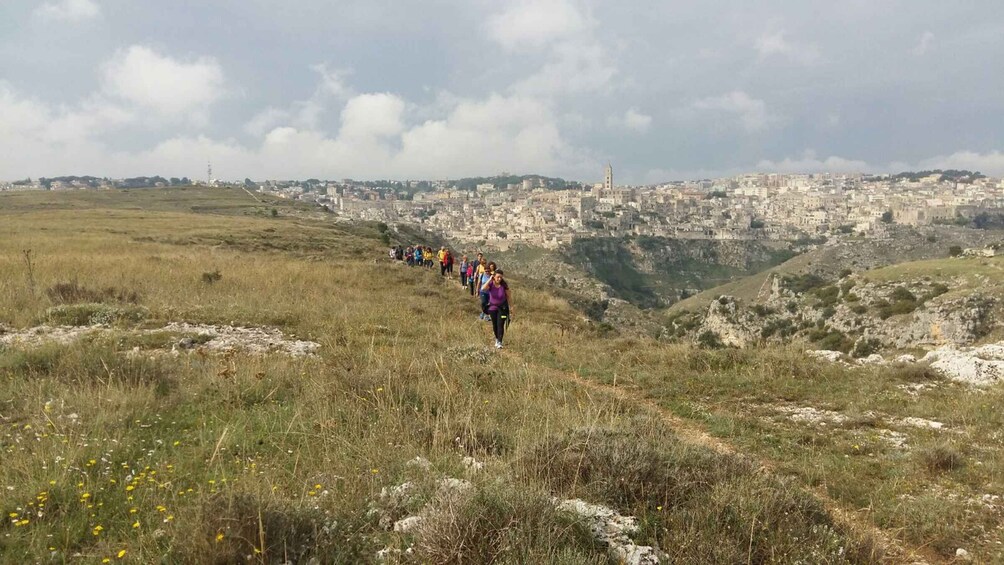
pixel 94 314
pixel 708 502
pixel 954 251
pixel 901 293
pixel 86 364
pixel 865 347
pixel 898 308
pixel 212 276
pixel 73 292
pixel 710 340
pixel 495 523
pixel 940 458
pixel 803 283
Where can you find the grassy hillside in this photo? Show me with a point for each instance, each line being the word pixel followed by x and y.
pixel 117 448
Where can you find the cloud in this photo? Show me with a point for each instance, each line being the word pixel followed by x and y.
pixel 773 44
pixel 564 31
pixel 170 88
pixel 924 44
pixel 69 10
pixel 991 163
pixel 330 92
pixel 531 24
pixel 751 112
pixel 810 163
pixel 632 119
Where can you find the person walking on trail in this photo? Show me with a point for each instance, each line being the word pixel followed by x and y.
pixel 464 263
pixel 499 305
pixel 441 256
pixel 418 255
pixel 470 276
pixel 486 276
pixel 449 263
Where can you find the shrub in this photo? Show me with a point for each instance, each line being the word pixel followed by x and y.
pixel 940 458
pixel 73 292
pixel 827 295
pixel 859 309
pixel 901 293
pixel 898 308
pixel 803 283
pixel 864 347
pixel 495 523
pixel 94 314
pixel 954 251
pixel 709 502
pixel 710 340
pixel 211 277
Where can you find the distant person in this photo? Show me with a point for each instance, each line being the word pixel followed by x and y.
pixel 470 276
pixel 393 253
pixel 441 256
pixel 449 263
pixel 399 253
pixel 499 305
pixel 464 263
pixel 419 256
pixel 409 256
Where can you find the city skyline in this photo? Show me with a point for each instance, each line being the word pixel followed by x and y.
pixel 449 89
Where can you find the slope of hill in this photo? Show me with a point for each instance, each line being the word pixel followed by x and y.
pixel 187 386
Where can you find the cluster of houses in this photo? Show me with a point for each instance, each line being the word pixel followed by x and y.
pixel 756 206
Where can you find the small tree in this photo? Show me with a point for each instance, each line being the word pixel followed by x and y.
pixel 887 217
pixel 955 251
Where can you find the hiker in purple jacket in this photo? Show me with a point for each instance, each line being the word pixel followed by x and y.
pixel 499 304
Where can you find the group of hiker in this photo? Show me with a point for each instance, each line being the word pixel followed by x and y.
pixel 478 276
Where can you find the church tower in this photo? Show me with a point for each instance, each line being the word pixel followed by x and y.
pixel 608 178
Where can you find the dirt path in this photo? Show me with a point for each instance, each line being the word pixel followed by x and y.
pixel 891 550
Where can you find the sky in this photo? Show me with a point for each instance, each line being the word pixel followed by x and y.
pixel 441 89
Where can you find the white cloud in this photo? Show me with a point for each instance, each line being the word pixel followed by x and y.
pixel 565 33
pixel 991 163
pixel 531 24
pixel 70 10
pixel 810 163
pixel 330 93
pixel 751 112
pixel 924 44
pixel 775 44
pixel 170 88
pixel 632 119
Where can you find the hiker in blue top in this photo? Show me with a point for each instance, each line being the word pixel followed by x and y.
pixel 486 276
pixel 418 255
pixel 463 271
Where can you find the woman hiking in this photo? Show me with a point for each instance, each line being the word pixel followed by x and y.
pixel 499 304
pixel 484 278
pixel 463 270
pixel 470 276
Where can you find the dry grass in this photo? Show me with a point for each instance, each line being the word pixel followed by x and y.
pixel 202 458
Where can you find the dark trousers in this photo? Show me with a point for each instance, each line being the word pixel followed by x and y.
pixel 484 302
pixel 442 269
pixel 470 283
pixel 463 278
pixel 499 318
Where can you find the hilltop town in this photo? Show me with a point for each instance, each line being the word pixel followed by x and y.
pixel 505 211
pixel 747 207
